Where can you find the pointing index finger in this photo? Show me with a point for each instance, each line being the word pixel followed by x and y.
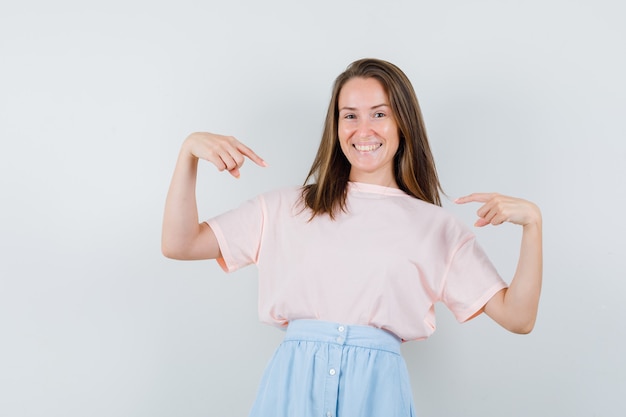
pixel 474 198
pixel 251 155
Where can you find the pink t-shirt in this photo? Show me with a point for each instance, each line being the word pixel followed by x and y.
pixel 384 263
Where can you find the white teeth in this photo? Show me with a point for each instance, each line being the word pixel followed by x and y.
pixel 367 148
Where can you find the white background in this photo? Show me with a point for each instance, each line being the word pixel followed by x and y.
pixel 520 97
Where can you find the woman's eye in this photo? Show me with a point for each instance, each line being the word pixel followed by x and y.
pixel 379 114
pixel 349 116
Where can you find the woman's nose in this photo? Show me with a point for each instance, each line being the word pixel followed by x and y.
pixel 364 128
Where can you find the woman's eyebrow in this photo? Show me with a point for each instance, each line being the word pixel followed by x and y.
pixel 371 108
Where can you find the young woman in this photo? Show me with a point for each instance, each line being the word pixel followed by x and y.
pixel 352 263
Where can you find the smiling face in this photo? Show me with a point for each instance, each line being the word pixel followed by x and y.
pixel 368 133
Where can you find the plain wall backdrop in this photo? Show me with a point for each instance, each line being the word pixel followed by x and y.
pixel 520 97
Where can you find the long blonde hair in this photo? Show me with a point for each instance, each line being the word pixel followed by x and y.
pixel 414 166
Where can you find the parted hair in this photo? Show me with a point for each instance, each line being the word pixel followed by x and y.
pixel 325 187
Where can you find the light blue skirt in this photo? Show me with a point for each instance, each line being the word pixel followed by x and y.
pixel 325 369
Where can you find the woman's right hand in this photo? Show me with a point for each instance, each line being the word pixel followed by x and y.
pixel 183 237
pixel 225 152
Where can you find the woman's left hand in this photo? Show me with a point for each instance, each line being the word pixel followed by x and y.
pixel 498 208
pixel 515 307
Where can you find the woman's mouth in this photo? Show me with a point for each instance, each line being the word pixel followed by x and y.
pixel 367 148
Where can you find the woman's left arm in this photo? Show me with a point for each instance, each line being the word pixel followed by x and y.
pixel 514 308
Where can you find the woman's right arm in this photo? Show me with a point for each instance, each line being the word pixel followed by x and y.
pixel 183 237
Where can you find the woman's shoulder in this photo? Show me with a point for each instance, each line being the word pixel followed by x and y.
pixel 285 192
pixel 287 196
pixel 427 215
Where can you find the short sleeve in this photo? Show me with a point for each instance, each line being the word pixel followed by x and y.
pixel 471 280
pixel 239 233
